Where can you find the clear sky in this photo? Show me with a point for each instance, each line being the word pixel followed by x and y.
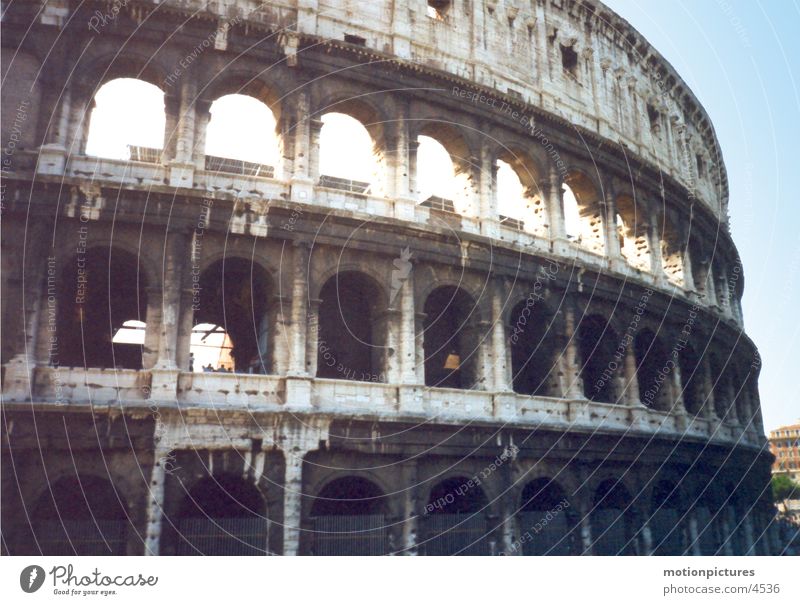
pixel 742 60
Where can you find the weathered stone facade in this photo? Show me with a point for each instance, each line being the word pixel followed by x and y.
pixel 603 397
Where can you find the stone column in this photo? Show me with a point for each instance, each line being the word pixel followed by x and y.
pixel 176 253
pixel 478 335
pixel 709 408
pixel 487 192
pixel 185 326
pixel 80 111
pixel 555 211
pixel 419 346
pixel 499 341
pixel 408 333
pixel 727 531
pixel 314 169
pixel 654 243
pixel 181 173
pixel 612 248
pixel 388 369
pixel 632 396
pixel 688 274
pixel 299 309
pixel 586 528
pixel 301 180
pixel 296 439
pixel 155 502
pixel 153 328
pixel 281 333
pixel 293 502
pixel 202 111
pixel 165 371
pixel 410 507
pixel 750 542
pixel 172 109
pixel 694 534
pixel 312 337
pixel 647 538
pixel 413 148
pixel 572 384
pixel 399 161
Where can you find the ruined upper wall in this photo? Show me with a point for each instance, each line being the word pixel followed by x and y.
pixel 573 58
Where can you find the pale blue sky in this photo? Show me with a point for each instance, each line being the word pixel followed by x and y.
pixel 742 60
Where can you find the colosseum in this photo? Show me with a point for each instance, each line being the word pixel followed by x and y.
pixel 535 347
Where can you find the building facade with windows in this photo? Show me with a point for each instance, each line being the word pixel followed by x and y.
pixel 784 443
pixel 534 347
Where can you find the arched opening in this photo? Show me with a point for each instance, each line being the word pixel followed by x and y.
pixel 454 520
pixel 612 520
pixel 533 349
pixel 693 382
pixel 722 387
pixel 240 137
pixel 101 311
pixel 351 331
pixel 444 172
pixel 651 359
pixel 211 349
pixel 450 339
pixel 583 215
pixel 701 267
pixel 665 522
pixel 519 201
pixel 81 516
pixel 232 299
pixel 545 515
pixel 127 122
pixel 632 230
pixel 349 158
pixel 672 250
pixel 222 515
pixel 601 367
pixel 436 176
pixel 348 517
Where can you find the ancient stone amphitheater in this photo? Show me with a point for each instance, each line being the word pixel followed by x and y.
pixel 562 371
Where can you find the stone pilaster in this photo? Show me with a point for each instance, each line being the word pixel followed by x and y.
pixel 296 441
pixel 572 383
pixel 632 396
pixel 155 502
pixel 301 180
pixel 555 212
pixel 299 305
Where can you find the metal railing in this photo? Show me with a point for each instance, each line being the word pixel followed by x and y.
pixel 512 223
pixel 441 204
pixel 349 185
pixel 455 534
pixel 350 535
pixel 215 163
pixel 82 538
pixel 149 155
pixel 236 536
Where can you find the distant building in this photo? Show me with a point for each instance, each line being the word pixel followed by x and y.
pixel 784 443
